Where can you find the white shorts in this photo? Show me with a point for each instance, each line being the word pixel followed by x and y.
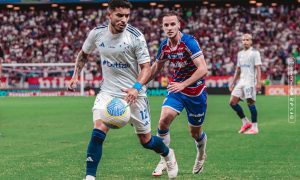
pixel 244 92
pixel 140 113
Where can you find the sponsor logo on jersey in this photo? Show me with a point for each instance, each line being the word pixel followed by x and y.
pixel 179 64
pixel 245 66
pixel 178 55
pixel 117 65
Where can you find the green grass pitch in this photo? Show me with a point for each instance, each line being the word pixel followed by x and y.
pixel 46 138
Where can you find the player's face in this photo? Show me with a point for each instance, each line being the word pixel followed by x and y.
pixel 247 42
pixel 171 26
pixel 119 19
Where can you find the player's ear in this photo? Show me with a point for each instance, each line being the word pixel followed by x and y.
pixel 108 13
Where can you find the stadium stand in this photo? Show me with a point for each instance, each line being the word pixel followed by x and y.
pixel 56 35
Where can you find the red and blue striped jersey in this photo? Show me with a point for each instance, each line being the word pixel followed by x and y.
pixel 181 59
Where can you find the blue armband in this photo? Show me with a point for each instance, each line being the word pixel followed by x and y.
pixel 138 86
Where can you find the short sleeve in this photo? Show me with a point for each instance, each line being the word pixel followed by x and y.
pixel 89 44
pixel 141 50
pixel 194 48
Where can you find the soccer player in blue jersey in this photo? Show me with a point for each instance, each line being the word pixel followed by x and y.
pixel 187 90
pixel 125 66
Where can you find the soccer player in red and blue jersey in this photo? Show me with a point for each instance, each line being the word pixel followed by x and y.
pixel 187 89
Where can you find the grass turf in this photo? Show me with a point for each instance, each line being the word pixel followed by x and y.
pixel 46 138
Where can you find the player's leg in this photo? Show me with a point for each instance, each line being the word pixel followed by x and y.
pixel 200 140
pixel 94 149
pixel 166 118
pixel 171 107
pixel 236 94
pixel 250 95
pixel 140 119
pixel 196 111
pixel 253 111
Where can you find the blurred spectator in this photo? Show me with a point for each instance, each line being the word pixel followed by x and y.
pixel 55 35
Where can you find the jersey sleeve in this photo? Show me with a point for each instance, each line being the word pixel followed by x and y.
pixel 141 50
pixel 257 59
pixel 194 48
pixel 89 44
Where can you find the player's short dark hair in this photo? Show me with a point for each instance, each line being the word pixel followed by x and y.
pixel 113 4
pixel 170 13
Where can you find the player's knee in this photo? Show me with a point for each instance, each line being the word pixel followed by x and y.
pixel 250 102
pixel 149 144
pixel 232 102
pixel 195 135
pixel 163 124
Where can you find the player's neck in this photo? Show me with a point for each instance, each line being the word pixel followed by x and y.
pixel 173 42
pixel 247 48
pixel 113 30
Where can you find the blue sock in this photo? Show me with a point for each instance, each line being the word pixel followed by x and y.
pixel 201 137
pixel 162 132
pixel 156 144
pixel 94 152
pixel 239 111
pixel 253 111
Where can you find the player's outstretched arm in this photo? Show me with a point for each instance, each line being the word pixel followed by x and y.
pixel 79 64
pixel 235 77
pixel 198 74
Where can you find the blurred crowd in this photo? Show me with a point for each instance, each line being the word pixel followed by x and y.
pixel 56 36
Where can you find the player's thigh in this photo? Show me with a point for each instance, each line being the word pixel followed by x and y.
pixel 234 100
pixel 172 106
pixel 250 93
pixel 237 92
pixel 140 116
pixel 98 113
pixel 196 109
pixel 166 118
pixel 144 138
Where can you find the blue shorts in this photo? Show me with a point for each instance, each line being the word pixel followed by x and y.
pixel 195 106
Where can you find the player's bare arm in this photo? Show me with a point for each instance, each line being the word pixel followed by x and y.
pixel 143 77
pixel 235 77
pixel 198 74
pixel 79 64
pixel 155 68
pixel 258 77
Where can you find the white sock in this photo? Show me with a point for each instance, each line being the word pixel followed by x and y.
pixel 254 126
pixel 245 120
pixel 166 138
pixel 89 177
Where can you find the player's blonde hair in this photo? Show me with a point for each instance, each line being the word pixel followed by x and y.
pixel 247 35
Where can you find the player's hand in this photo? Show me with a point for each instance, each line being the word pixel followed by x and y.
pixel 72 84
pixel 131 96
pixel 176 87
pixel 231 87
pixel 258 87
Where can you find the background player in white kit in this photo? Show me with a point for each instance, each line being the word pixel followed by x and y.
pixel 125 66
pixel 248 70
